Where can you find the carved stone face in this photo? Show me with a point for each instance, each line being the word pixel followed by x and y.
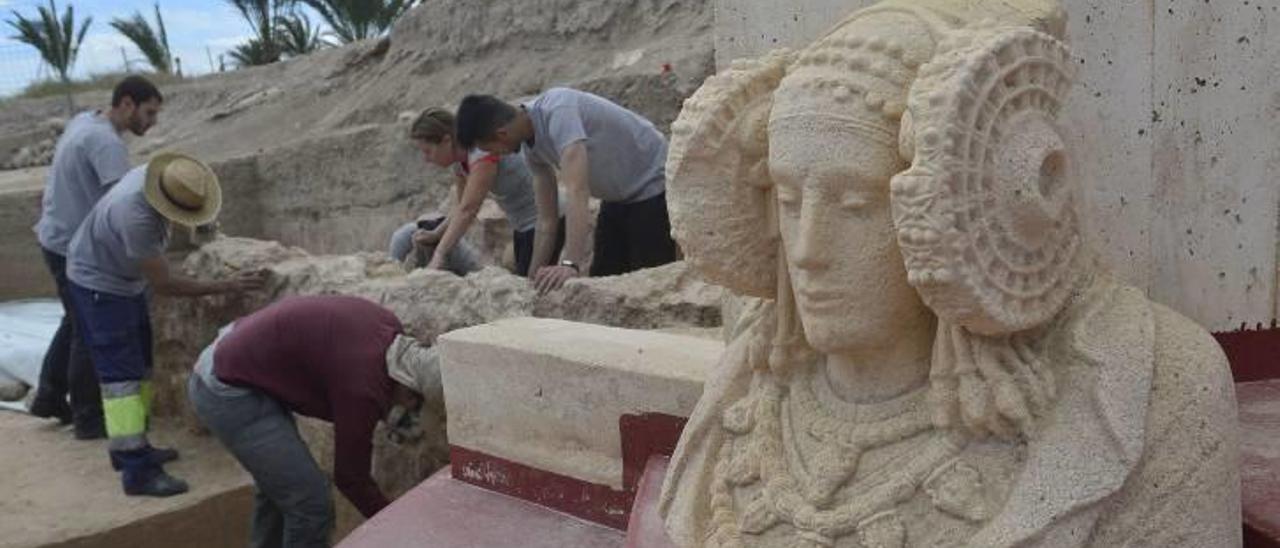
pixel 832 185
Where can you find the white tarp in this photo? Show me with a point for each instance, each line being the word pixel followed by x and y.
pixel 26 327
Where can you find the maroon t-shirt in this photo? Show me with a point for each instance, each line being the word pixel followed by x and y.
pixel 323 357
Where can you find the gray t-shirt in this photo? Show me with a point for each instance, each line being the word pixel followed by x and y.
pixel 89 157
pixel 626 155
pixel 512 188
pixel 120 231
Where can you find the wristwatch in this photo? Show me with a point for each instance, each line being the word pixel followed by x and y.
pixel 571 264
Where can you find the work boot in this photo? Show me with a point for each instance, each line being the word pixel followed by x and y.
pixel 92 431
pixel 160 484
pixel 47 408
pixel 157 456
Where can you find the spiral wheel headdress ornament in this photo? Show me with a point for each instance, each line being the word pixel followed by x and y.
pixel 985 216
pixel 718 186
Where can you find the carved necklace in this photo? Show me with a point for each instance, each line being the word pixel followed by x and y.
pixel 770 430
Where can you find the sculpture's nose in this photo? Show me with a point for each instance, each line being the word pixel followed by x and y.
pixel 811 250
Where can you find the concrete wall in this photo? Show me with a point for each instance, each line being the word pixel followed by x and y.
pixel 1177 147
pixel 22 270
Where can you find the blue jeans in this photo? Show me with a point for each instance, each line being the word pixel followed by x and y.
pixel 117 330
pixel 292 507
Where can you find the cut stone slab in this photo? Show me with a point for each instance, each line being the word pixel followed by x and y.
pixel 61 492
pixel 549 393
pixel 443 512
pixel 1260 458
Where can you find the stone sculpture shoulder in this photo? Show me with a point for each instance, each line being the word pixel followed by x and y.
pixel 1007 391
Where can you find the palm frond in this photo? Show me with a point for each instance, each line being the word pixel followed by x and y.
pixel 297 35
pixel 57 40
pixel 353 20
pixel 146 39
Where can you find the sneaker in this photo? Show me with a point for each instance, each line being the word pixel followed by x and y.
pixel 45 409
pixel 160 485
pixel 157 456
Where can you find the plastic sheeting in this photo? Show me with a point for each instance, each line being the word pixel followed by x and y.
pixel 26 327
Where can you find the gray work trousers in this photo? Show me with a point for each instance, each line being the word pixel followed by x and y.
pixel 292 506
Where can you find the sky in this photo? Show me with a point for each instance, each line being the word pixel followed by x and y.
pixel 192 26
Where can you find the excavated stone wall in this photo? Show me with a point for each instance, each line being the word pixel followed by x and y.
pixel 429 303
pixel 313 151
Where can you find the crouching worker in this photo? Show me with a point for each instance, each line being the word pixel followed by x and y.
pixel 335 358
pixel 114 257
pixel 478 174
pixel 414 244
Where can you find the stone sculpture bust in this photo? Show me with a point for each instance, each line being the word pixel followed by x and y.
pixel 936 358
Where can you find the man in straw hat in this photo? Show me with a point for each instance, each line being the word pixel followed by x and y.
pixel 336 358
pixel 90 157
pixel 115 256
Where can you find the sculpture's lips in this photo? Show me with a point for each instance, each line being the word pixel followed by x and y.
pixel 818 297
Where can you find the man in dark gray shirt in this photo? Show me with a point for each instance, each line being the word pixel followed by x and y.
pixel 89 158
pixel 596 149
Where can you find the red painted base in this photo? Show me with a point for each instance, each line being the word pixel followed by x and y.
pixel 446 513
pixel 1260 462
pixel 642 436
pixel 1254 354
pixel 646 529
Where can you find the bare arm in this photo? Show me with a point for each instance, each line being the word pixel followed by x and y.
pixel 166 282
pixel 574 173
pixel 471 193
pixel 544 235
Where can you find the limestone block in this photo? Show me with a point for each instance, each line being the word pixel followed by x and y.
pixel 549 393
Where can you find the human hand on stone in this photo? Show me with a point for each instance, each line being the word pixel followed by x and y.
pixel 549 278
pixel 437 262
pixel 247 281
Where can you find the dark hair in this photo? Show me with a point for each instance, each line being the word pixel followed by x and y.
pixel 432 125
pixel 479 117
pixel 137 88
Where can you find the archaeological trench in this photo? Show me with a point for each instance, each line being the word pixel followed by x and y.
pixel 317 171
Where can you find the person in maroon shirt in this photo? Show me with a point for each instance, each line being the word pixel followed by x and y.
pixel 336 358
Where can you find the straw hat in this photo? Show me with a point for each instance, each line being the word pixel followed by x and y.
pixel 183 189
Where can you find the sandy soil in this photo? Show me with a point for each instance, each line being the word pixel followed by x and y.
pixel 22 180
pixel 57 491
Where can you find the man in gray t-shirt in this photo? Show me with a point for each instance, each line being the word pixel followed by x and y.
pixel 597 149
pixel 89 157
pixel 116 255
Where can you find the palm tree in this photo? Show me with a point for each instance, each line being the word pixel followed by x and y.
pixel 152 42
pixel 353 20
pixel 297 36
pixel 254 52
pixel 58 41
pixel 262 15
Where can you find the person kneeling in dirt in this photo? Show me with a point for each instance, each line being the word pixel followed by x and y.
pixel 478 174
pixel 336 358
pixel 415 243
pixel 595 148
pixel 114 257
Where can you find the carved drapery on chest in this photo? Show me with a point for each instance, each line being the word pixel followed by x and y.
pixel 797 462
